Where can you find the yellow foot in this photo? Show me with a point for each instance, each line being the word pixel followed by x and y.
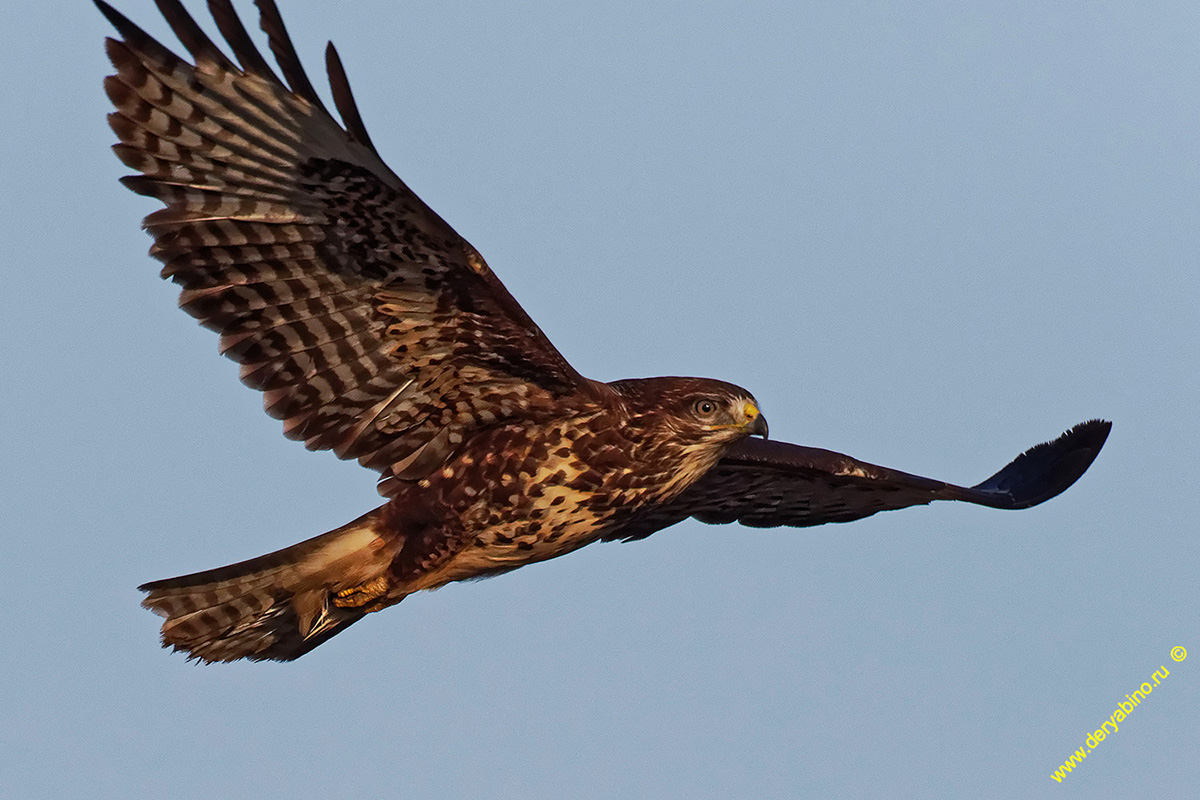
pixel 359 596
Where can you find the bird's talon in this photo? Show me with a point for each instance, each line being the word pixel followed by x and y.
pixel 358 596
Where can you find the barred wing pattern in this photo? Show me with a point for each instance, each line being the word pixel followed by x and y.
pixel 767 484
pixel 373 329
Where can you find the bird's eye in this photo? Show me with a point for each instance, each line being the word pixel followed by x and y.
pixel 705 407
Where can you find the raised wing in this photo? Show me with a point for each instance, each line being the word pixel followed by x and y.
pixel 766 484
pixel 373 329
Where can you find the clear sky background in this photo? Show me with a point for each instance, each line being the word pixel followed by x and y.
pixel 929 235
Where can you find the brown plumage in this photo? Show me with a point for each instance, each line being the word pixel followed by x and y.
pixel 377 332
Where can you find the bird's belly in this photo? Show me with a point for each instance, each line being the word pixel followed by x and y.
pixel 505 545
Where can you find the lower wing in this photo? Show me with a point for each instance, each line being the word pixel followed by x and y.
pixel 766 484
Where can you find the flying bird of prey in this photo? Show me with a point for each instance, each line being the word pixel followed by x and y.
pixel 377 332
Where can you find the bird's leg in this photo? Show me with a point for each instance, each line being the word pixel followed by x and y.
pixel 361 595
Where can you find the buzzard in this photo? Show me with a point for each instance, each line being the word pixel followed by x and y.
pixel 375 331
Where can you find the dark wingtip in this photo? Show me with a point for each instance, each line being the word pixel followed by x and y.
pixel 343 98
pixel 119 21
pixel 110 13
pixel 1046 470
pixel 271 22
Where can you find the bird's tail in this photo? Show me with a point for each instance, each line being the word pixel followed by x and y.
pixel 274 607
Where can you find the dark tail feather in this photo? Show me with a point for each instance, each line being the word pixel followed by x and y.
pixel 274 607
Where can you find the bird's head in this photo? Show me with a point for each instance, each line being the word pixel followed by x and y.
pixel 694 411
pixel 688 424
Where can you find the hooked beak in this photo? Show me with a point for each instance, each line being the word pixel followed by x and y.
pixel 756 423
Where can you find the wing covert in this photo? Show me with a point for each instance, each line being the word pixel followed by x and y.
pixel 373 328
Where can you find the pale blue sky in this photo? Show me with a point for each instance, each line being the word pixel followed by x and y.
pixel 929 235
